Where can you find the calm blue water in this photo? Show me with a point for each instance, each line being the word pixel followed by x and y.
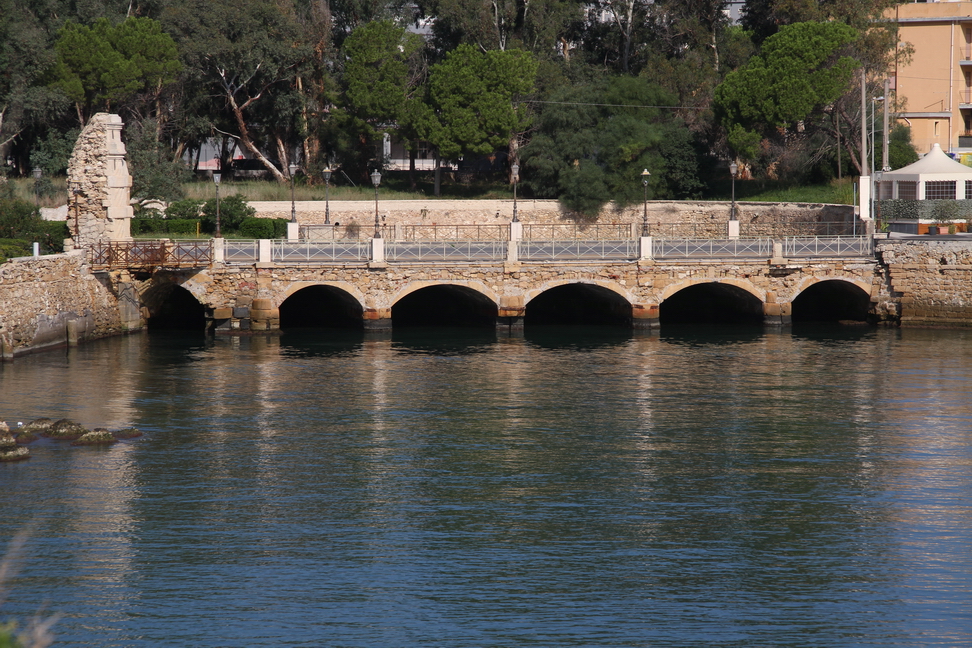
pixel 577 488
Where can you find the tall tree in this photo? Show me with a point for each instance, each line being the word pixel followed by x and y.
pixel 478 100
pixel 593 142
pixel 100 66
pixel 799 70
pixel 252 63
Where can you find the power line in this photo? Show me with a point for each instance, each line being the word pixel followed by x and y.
pixel 580 103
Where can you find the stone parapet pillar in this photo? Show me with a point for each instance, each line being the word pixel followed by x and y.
pixel 99 184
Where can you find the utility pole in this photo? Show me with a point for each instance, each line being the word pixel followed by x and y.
pixel 884 151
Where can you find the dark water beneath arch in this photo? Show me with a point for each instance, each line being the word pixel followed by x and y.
pixel 576 487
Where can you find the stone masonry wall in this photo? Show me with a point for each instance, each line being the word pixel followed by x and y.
pixel 682 218
pixel 55 300
pixel 930 280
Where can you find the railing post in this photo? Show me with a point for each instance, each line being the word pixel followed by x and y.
pixel 378 251
pixel 397 231
pixel 733 229
pixel 219 250
pixel 645 251
pixel 293 231
pixel 264 251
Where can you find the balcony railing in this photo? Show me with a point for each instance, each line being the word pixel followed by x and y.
pixel 148 255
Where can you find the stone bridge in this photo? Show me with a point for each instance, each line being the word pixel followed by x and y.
pixel 644 292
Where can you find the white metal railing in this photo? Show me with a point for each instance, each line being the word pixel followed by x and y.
pixel 401 251
pixel 711 248
pixel 578 250
pixel 335 232
pixel 580 231
pixel 828 246
pixel 241 251
pixel 489 232
pixel 283 251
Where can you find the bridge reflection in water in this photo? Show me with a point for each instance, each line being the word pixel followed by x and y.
pixel 645 282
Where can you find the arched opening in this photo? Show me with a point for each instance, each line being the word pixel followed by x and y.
pixel 578 304
pixel 321 307
pixel 444 306
pixel 173 308
pixel 711 303
pixel 831 301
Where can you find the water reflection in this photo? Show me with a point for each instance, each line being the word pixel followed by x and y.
pixel 570 488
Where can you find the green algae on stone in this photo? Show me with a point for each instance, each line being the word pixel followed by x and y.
pixel 65 430
pixel 127 433
pixel 97 436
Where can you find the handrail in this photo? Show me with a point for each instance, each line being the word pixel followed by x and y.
pixel 712 248
pixel 150 254
pixel 582 231
pixel 241 251
pixel 420 251
pixel 303 252
pixel 828 246
pixel 577 250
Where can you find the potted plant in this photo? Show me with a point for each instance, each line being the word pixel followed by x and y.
pixel 943 213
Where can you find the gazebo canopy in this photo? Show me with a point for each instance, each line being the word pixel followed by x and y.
pixel 937 165
pixel 935 176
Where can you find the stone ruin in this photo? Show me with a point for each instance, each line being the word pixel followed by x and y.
pixel 99 185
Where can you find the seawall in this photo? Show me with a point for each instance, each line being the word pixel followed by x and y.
pixel 930 281
pixel 55 300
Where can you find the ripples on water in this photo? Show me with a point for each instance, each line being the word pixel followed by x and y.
pixel 575 487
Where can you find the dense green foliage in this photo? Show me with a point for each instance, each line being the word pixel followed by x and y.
pixel 322 84
pixel 21 226
pixel 233 210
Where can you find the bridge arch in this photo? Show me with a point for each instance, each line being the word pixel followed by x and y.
pixel 173 306
pixel 831 299
pixel 712 301
pixel 309 304
pixel 568 301
pixel 444 303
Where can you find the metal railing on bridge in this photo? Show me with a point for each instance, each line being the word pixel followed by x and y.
pixel 828 246
pixel 578 250
pixel 144 255
pixel 308 252
pixel 727 248
pixel 426 251
pixel 200 253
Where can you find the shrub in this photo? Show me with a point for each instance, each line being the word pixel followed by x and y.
pixel 258 228
pixel 173 226
pixel 233 210
pixel 187 208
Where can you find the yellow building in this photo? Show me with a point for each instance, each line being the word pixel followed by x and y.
pixel 934 89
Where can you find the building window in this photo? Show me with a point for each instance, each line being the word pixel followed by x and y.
pixel 907 190
pixel 885 189
pixel 940 190
pixel 968 189
pixel 936 129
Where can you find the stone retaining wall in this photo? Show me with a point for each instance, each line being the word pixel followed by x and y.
pixel 55 300
pixel 930 280
pixel 694 217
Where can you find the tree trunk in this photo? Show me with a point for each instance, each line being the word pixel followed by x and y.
pixel 248 142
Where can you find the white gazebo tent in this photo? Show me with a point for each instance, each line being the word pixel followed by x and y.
pixel 934 177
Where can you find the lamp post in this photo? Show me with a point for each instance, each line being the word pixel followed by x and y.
pixel 875 197
pixel 327 197
pixel 376 180
pixel 515 169
pixel 644 213
pixel 38 174
pixel 216 179
pixel 293 205
pixel 733 168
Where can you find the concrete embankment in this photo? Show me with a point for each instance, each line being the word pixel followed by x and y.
pixel 56 300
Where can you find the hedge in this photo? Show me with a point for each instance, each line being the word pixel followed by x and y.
pixel 933 210
pixel 263 228
pixel 175 226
